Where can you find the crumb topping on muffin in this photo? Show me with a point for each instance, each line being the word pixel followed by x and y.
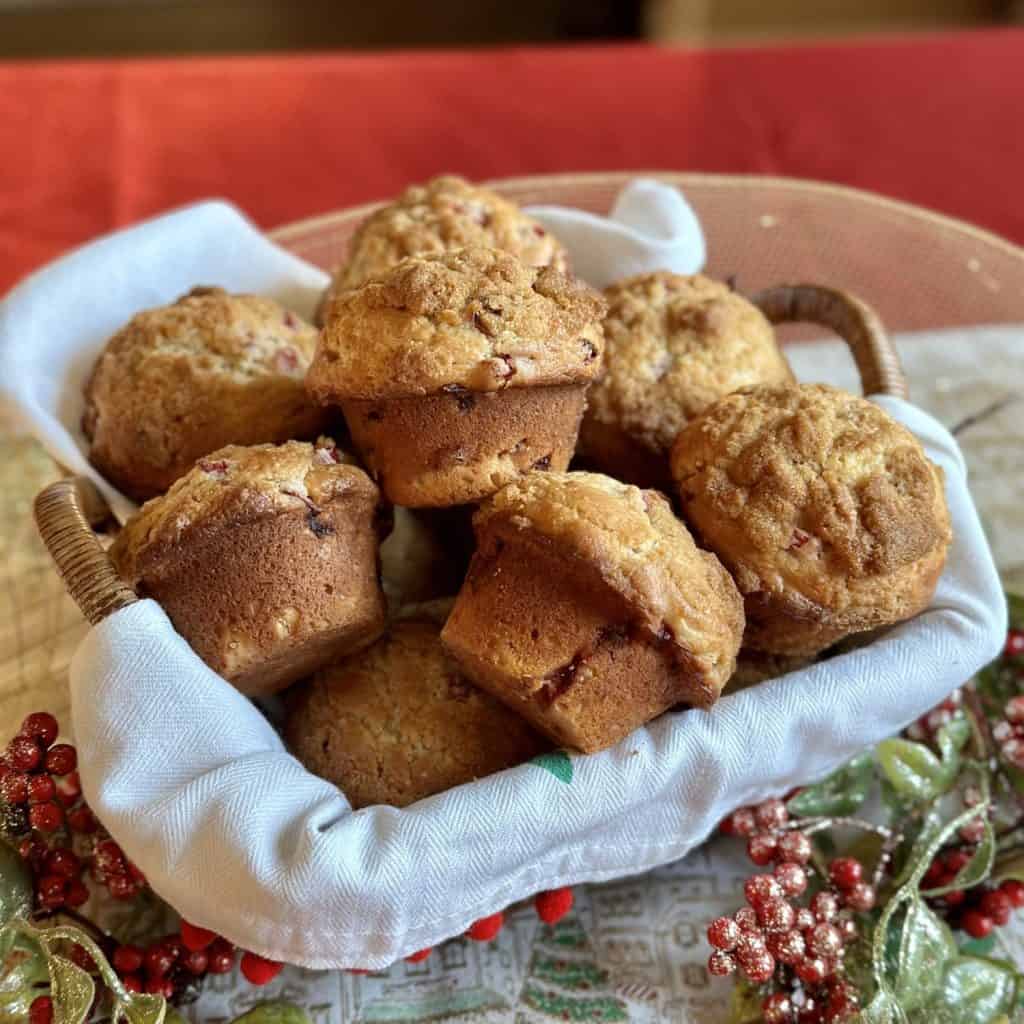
pixel 477 319
pixel 209 369
pixel 446 213
pixel 241 336
pixel 674 345
pixel 680 594
pixel 812 491
pixel 399 722
pixel 237 485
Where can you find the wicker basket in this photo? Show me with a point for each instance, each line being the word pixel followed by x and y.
pixel 761 231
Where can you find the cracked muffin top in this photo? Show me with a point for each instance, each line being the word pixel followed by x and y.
pixel 475 319
pixel 236 485
pixel 178 381
pixel 442 214
pixel 680 594
pixel 816 496
pixel 673 346
pixel 399 722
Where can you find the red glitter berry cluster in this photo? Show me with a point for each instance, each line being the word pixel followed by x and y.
pixel 762 827
pixel 112 869
pixel 55 832
pixel 773 936
pixel 174 965
pixel 37 777
pixel 1014 644
pixel 925 728
pixel 1008 732
pixel 771 930
pixel 977 910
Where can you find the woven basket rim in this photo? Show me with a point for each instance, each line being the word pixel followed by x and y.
pixel 681 179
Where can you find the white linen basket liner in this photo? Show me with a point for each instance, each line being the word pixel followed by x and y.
pixel 196 785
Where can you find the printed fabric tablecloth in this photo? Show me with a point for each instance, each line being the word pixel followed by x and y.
pixel 630 950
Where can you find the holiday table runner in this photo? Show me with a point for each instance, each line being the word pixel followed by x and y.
pixel 629 950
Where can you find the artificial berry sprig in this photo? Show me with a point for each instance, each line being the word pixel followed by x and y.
pixel 925 729
pixel 70 856
pixel 799 945
pixel 1008 732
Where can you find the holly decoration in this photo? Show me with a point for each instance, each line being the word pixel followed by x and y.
pixel 891 916
pixel 55 857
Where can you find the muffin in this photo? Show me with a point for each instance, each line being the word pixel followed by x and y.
pixel 443 214
pixel 825 510
pixel 178 382
pixel 264 559
pixel 456 373
pixel 589 609
pixel 673 346
pixel 398 722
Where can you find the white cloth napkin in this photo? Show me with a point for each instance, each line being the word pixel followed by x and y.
pixel 194 783
pixel 55 322
pixel 650 227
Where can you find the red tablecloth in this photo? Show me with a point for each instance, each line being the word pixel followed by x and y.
pixel 87 146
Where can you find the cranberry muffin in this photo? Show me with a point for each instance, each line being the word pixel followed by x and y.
pixel 442 214
pixel 826 511
pixel 399 722
pixel 589 610
pixel 456 373
pixel 264 559
pixel 178 382
pixel 673 346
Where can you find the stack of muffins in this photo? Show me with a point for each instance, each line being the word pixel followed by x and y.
pixel 462 367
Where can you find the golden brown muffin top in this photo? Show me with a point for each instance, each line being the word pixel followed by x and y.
pixel 475 318
pixel 810 490
pixel 445 213
pixel 399 722
pixel 236 485
pixel 240 337
pixel 674 345
pixel 178 381
pixel 681 594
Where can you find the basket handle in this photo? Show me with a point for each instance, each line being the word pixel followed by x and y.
pixel 65 513
pixel 881 372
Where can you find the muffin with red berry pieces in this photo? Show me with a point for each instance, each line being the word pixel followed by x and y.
pixel 264 559
pixel 589 610
pixel 442 214
pixel 673 346
pixel 179 381
pixel 826 511
pixel 399 722
pixel 459 372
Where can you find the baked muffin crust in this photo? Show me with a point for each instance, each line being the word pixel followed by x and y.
pixel 673 346
pixel 589 610
pixel 475 319
pixel 265 559
pixel 678 593
pixel 235 485
pixel 445 213
pixel 821 505
pixel 399 722
pixel 179 381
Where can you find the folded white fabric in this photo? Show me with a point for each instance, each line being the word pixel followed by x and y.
pixel 196 785
pixel 228 827
pixel 650 227
pixel 55 322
